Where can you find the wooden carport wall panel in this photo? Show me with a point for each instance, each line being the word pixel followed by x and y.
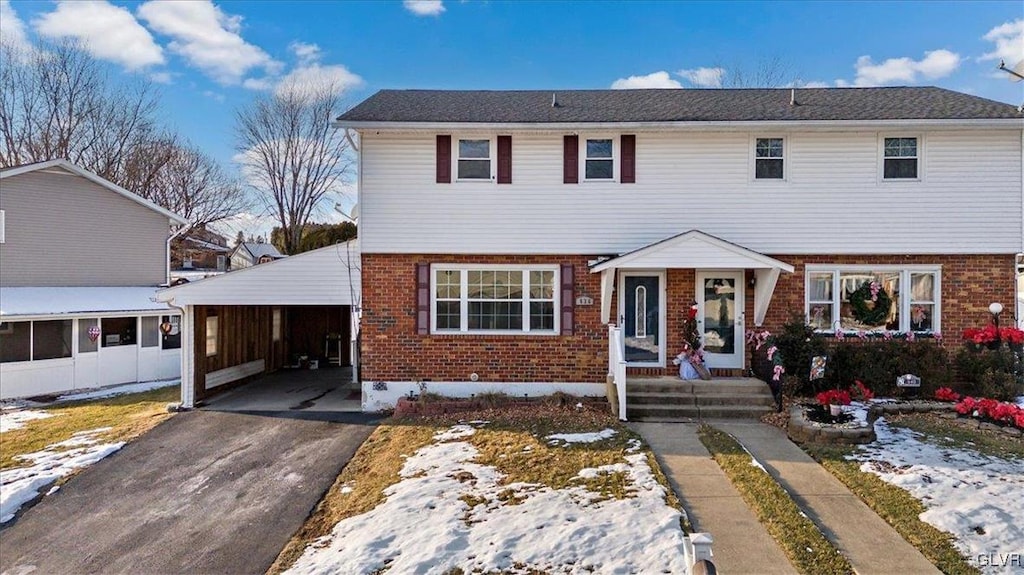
pixel 243 335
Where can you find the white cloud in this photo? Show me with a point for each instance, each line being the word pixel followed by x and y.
pixel 314 78
pixel 935 64
pixel 703 77
pixel 162 77
pixel 654 80
pixel 812 84
pixel 424 7
pixel 1009 42
pixel 214 95
pixel 305 52
pixel 106 31
pixel 12 29
pixel 208 39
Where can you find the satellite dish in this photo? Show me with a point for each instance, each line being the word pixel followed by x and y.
pixel 1016 73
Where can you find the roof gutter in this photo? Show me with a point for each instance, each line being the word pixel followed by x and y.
pixel 1009 123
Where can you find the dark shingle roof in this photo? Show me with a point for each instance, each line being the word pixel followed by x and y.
pixel 684 105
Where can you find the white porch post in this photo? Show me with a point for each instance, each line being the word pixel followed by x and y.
pixel 188 388
pixel 766 278
pixel 607 284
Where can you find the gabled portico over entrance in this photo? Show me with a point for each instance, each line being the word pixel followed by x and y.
pixel 652 287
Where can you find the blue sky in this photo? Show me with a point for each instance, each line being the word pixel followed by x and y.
pixel 208 58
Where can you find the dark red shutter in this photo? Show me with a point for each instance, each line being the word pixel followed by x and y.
pixel 423 298
pixel 568 299
pixel 444 159
pixel 504 159
pixel 571 160
pixel 627 173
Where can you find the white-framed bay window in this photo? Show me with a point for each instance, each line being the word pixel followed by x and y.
pixel 474 158
pixel 494 299
pixel 873 297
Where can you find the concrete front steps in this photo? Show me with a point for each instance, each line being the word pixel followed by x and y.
pixel 672 399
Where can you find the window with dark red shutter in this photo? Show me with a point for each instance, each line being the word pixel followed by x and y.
pixel 504 159
pixel 571 160
pixel 444 159
pixel 568 299
pixel 627 174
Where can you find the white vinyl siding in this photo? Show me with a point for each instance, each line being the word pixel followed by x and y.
pixel 832 201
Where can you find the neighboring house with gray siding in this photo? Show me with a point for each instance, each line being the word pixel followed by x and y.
pixel 80 260
pixel 248 254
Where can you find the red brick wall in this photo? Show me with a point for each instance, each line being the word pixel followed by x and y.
pixel 969 284
pixel 392 351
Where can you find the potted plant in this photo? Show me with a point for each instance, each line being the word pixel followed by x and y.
pixel 835 399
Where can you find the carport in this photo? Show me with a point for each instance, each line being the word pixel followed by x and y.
pixel 297 313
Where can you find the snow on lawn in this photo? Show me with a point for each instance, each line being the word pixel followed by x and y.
pixel 119 390
pixel 11 419
pixel 23 484
pixel 973 496
pixel 582 437
pixel 426 525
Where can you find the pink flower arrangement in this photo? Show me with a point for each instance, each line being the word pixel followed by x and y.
pixel 946 394
pixel 887 335
pixel 875 288
pixel 779 370
pixel 834 397
pixel 840 336
pixel 771 352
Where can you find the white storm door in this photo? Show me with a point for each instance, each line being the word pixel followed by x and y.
pixel 720 301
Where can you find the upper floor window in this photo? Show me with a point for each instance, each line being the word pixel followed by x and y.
pixel 900 157
pixel 474 161
pixel 600 163
pixel 769 159
pixel 512 299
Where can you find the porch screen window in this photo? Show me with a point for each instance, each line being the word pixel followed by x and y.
pixel 150 331
pixel 873 299
pixel 87 344
pixel 474 160
pixel 119 331
pixel 600 164
pixel 493 300
pixel 15 341
pixel 51 339
pixel 171 339
pixel 768 159
pixel 900 159
pixel 212 327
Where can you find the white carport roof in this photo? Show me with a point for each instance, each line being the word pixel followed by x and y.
pixel 326 276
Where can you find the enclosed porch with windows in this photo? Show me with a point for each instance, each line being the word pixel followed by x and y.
pixel 647 296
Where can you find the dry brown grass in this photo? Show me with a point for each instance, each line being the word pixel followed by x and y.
pixel 129 416
pixel 512 440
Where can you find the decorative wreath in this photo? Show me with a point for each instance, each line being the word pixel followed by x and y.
pixel 870 303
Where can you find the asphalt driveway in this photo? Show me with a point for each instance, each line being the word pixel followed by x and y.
pixel 204 492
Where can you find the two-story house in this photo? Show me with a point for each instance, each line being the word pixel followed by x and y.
pixel 81 260
pixel 502 232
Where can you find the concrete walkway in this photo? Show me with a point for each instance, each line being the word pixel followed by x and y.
pixel 741 545
pixel 871 544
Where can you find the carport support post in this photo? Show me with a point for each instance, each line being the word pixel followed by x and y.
pixel 187 364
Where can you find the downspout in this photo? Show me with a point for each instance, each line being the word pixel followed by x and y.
pixel 184 328
pixel 167 251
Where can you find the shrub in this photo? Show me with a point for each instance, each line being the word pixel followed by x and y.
pixel 995 373
pixel 797 344
pixel 878 363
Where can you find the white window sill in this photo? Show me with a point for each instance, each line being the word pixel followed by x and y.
pixel 540 333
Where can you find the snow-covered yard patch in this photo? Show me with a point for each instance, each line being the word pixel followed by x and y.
pixel 453 508
pixel 592 437
pixel 973 496
pixel 11 419
pixel 116 390
pixel 23 484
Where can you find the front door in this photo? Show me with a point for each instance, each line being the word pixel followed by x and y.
pixel 642 316
pixel 720 317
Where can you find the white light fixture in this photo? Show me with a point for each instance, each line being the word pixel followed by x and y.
pixel 995 308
